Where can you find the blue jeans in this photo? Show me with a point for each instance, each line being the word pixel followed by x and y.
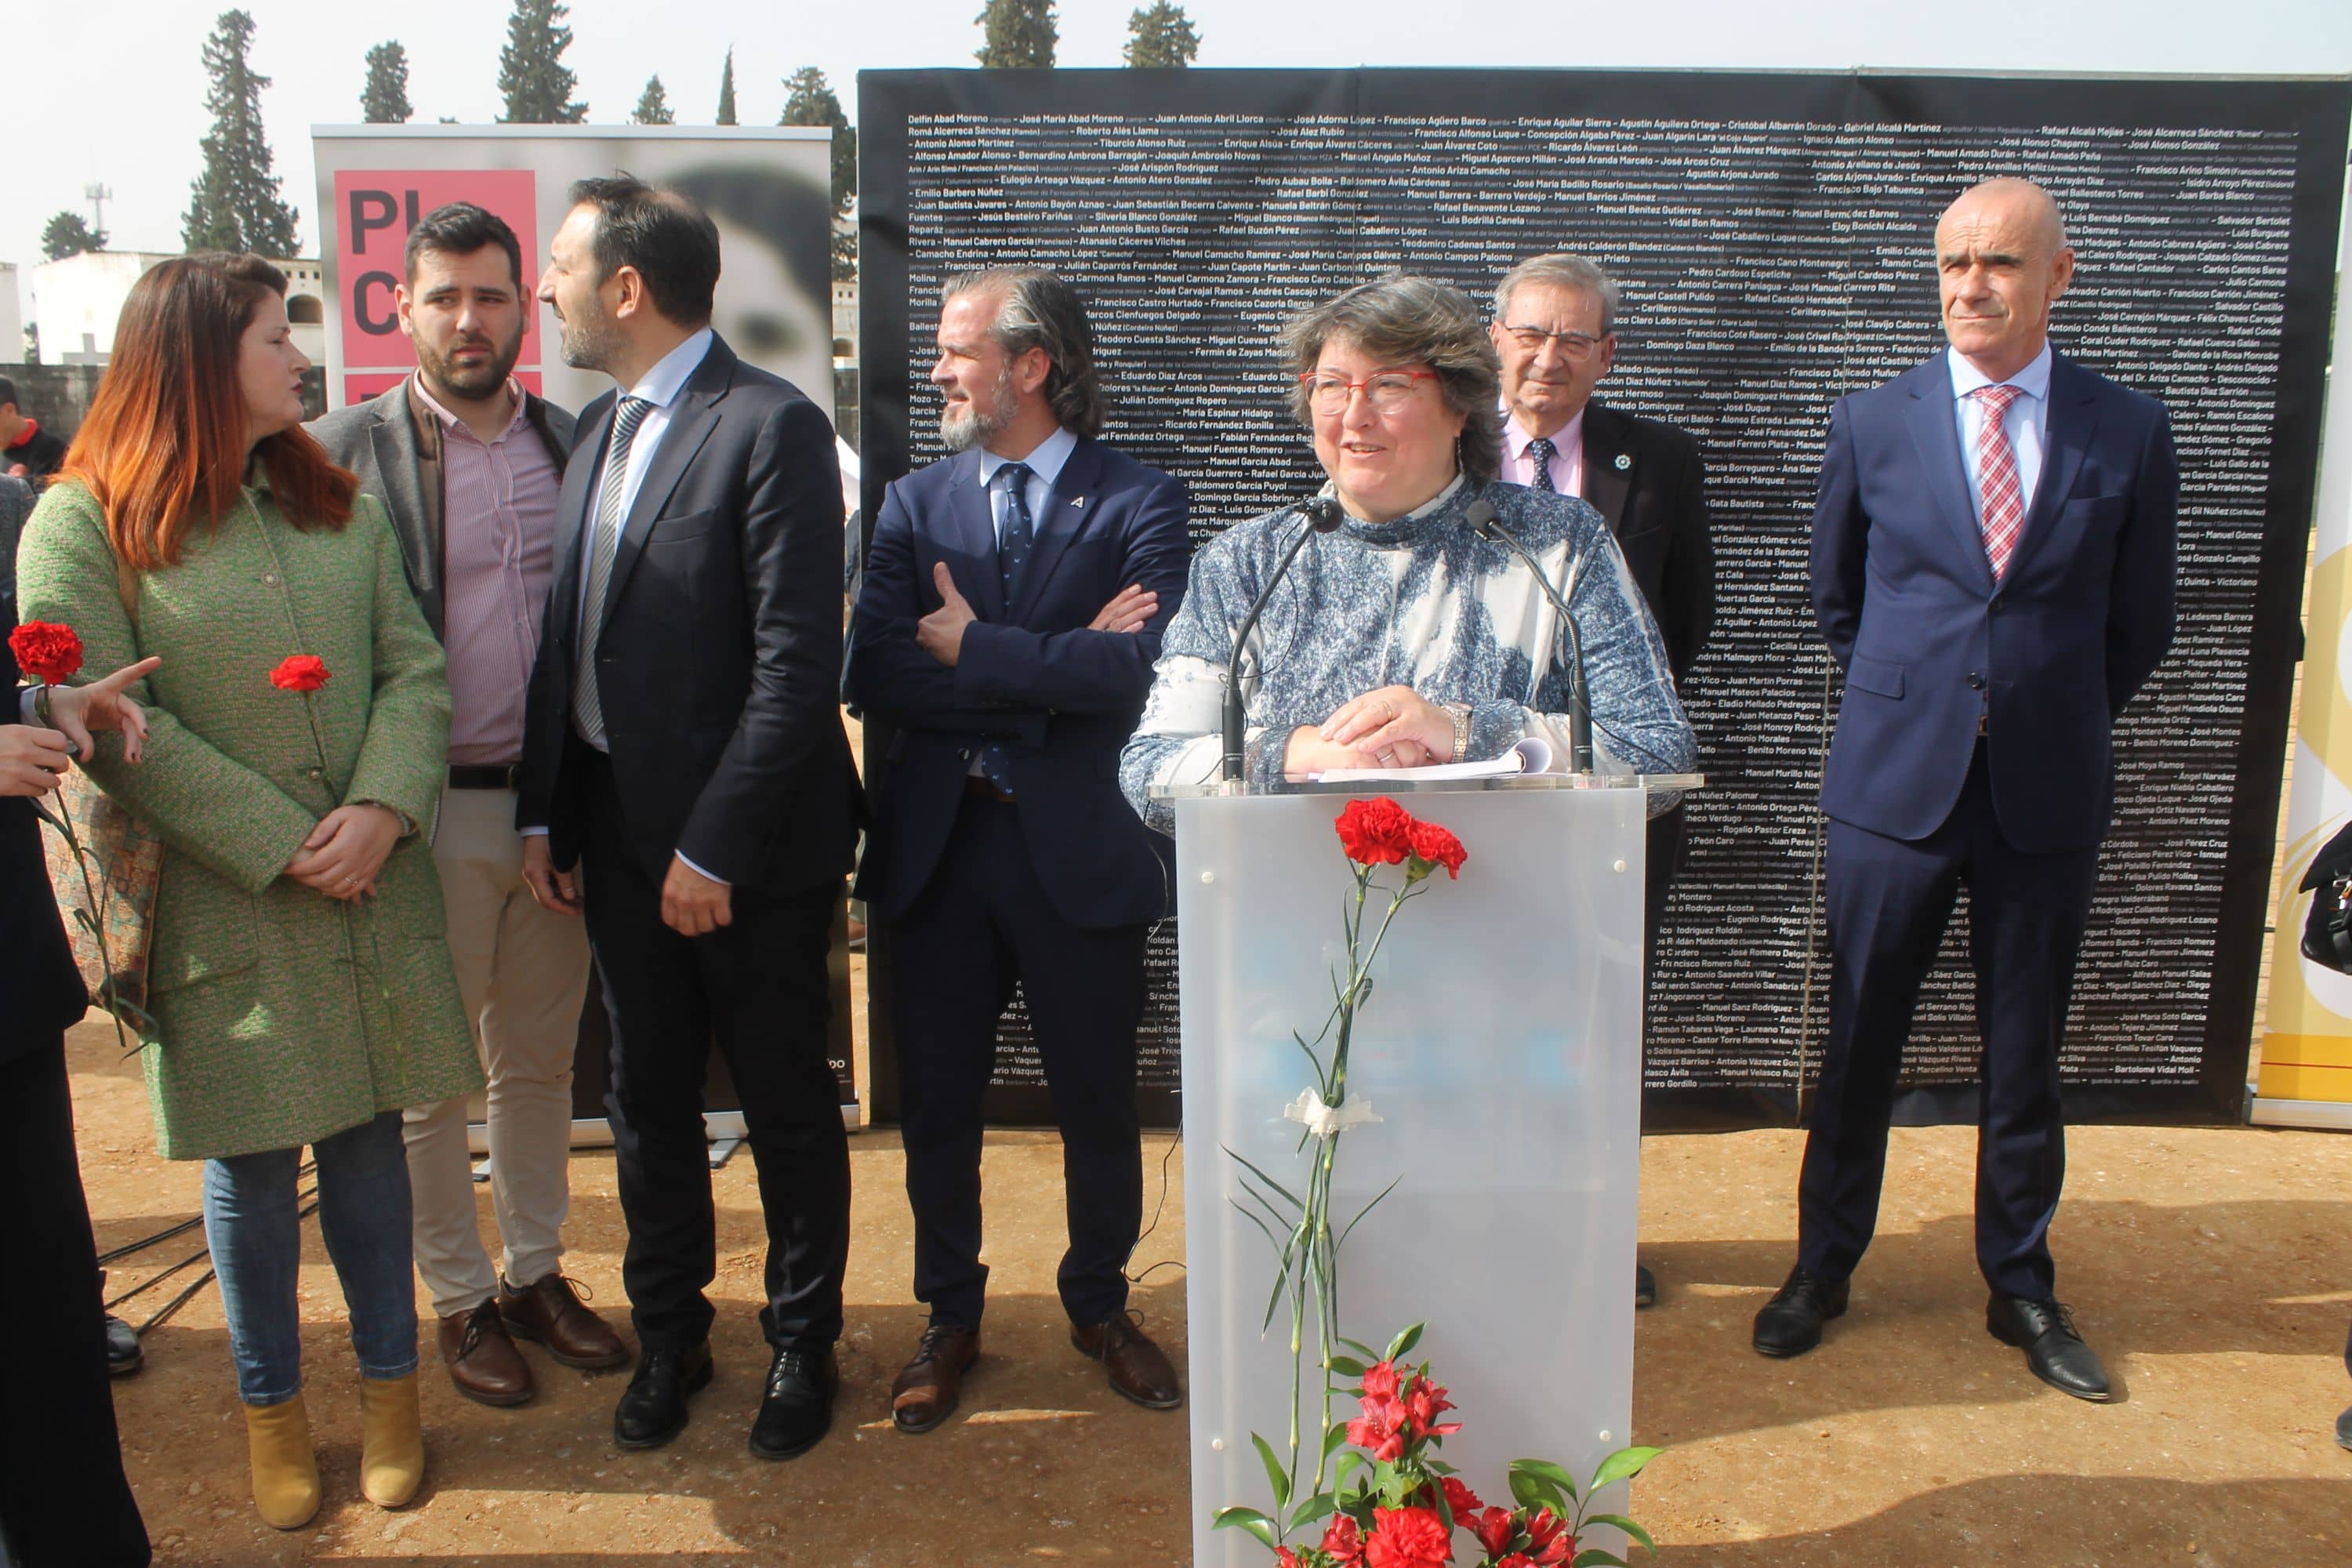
pixel 254 1222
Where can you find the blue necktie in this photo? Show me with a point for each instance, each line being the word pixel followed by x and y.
pixel 1539 451
pixel 1012 542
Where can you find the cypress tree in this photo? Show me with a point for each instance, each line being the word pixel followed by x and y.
pixel 727 90
pixel 531 72
pixel 653 105
pixel 233 203
pixel 384 100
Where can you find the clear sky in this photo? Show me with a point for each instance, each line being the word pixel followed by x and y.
pixel 112 90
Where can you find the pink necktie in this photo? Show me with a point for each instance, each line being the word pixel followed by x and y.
pixel 1997 486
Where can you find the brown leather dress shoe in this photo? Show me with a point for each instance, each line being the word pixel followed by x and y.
pixel 482 1361
pixel 552 1313
pixel 1138 1369
pixel 927 1387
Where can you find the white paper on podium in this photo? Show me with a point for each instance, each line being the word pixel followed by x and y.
pixel 1532 755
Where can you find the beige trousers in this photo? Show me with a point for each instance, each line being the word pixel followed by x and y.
pixel 522 974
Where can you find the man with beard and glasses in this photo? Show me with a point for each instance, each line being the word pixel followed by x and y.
pixel 684 750
pixel 469 464
pixel 1006 628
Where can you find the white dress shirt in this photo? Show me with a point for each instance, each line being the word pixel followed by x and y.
pixel 2027 422
pixel 659 387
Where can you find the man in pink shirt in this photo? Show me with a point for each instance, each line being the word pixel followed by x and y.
pixel 1555 328
pixel 470 465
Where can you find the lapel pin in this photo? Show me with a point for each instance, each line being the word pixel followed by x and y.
pixel 1078 500
pixel 1624 461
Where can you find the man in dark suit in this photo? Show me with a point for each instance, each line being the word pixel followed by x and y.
pixel 63 1498
pixel 1011 612
pixel 1555 331
pixel 683 746
pixel 1992 567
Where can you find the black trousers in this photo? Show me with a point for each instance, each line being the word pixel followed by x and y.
pixel 1889 901
pixel 759 986
pixel 63 1498
pixel 983 922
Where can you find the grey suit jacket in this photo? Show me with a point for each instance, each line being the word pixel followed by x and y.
pixel 378 441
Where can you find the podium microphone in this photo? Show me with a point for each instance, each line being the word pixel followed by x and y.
pixel 1481 517
pixel 1322 515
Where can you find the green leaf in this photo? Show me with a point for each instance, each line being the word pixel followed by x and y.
pixel 1361 1348
pixel 1402 1344
pixel 1628 1526
pixel 1593 1557
pixel 1438 1467
pixel 1334 1440
pixel 1247 1519
pixel 1346 1366
pixel 1536 1492
pixel 1368 1207
pixel 1314 1510
pixel 1275 1476
pixel 1549 1473
pixel 1622 1463
pixel 1269 1180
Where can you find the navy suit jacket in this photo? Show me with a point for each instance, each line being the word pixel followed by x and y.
pixel 1060 698
pixel 1929 643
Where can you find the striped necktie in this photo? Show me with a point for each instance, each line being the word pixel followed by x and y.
pixel 587 709
pixel 2001 513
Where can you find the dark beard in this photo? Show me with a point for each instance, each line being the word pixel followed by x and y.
pixel 469 385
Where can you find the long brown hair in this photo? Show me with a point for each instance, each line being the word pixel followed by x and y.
pixel 163 446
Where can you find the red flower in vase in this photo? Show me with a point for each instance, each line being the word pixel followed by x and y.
pixel 299 672
pixel 1408 1538
pixel 1494 1529
pixel 1342 1541
pixel 1438 847
pixel 1424 1402
pixel 46 651
pixel 1381 1429
pixel 1380 1380
pixel 1550 1544
pixel 1376 832
pixel 1460 1501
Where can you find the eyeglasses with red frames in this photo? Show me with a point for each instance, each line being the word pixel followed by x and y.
pixel 1385 390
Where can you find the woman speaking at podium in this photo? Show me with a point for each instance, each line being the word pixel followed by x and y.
pixel 1409 630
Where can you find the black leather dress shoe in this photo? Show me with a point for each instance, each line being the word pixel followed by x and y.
pixel 2344 1430
pixel 124 1353
pixel 653 1408
pixel 1646 1287
pixel 797 1409
pixel 2045 1330
pixel 1790 1322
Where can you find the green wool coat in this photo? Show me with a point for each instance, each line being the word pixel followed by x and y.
pixel 283 1015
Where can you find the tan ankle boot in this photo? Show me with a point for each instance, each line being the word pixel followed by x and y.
pixel 285 1469
pixel 391 1441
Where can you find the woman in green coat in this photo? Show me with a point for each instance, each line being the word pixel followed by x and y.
pixel 298 974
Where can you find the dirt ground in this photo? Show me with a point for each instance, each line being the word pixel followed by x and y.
pixel 2212 1266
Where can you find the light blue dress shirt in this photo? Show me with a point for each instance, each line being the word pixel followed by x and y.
pixel 1045 464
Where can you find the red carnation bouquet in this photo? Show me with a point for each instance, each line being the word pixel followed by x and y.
pixel 1387 1500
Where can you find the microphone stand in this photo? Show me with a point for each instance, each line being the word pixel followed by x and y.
pixel 1481 517
pixel 1322 515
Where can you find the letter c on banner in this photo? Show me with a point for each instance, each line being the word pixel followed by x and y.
pixel 374 326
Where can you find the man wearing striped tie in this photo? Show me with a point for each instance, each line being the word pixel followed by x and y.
pixel 683 748
pixel 1555 331
pixel 1993 566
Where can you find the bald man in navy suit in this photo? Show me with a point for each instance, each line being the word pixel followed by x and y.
pixel 1992 567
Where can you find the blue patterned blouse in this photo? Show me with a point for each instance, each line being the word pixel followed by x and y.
pixel 1421 602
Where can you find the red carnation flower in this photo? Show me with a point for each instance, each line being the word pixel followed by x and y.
pixel 1438 847
pixel 1495 1528
pixel 46 651
pixel 1408 1538
pixel 1343 1542
pixel 299 672
pixel 1377 832
pixel 1460 1499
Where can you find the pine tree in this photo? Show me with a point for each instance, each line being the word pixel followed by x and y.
pixel 1018 32
pixel 726 91
pixel 809 100
pixel 384 100
pixel 653 105
pixel 69 233
pixel 1162 35
pixel 531 72
pixel 233 203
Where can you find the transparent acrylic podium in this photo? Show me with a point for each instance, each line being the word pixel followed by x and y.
pixel 1501 1049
